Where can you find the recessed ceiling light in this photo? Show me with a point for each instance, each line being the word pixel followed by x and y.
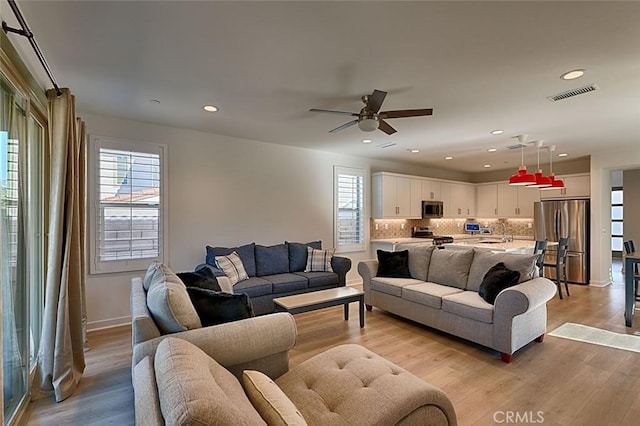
pixel 492 149
pixel 366 140
pixel 497 132
pixel 486 166
pixel 572 75
pixel 448 158
pixel 210 108
pixel 413 151
pixel 563 154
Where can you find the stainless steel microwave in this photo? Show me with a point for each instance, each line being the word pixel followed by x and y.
pixel 432 209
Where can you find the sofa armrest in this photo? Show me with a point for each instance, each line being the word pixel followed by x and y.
pixel 524 297
pixel 235 342
pixel 217 272
pixel 367 270
pixel 341 266
pixel 143 327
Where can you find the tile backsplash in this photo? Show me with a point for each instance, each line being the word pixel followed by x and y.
pixel 401 228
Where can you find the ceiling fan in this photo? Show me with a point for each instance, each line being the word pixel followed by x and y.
pixel 370 118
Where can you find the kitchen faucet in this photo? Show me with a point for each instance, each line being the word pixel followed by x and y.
pixel 504 232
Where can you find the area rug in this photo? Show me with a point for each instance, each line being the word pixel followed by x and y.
pixel 597 336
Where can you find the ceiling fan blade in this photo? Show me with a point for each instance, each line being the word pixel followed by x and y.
pixel 344 126
pixel 385 127
pixel 375 100
pixel 352 114
pixel 401 113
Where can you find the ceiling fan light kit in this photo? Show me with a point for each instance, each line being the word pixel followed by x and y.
pixel 369 124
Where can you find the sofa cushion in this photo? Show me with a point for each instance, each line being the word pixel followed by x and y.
pixel 169 303
pixel 468 304
pixel 393 264
pixel 392 286
pixel 450 267
pixel 497 279
pixel 319 279
pixel 232 267
pixel 269 400
pixel 195 390
pixel 202 278
pixel 429 294
pixel 215 307
pixel 319 260
pixel 272 260
pixel 298 254
pixel 484 260
pixel 419 259
pixel 246 253
pixel 286 283
pixel 146 281
pixel 254 287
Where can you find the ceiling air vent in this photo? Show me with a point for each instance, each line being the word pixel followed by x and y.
pixel 387 145
pixel 573 92
pixel 516 146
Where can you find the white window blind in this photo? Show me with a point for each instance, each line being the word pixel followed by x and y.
pixel 349 209
pixel 129 202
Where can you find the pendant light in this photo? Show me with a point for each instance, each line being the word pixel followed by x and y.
pixel 555 183
pixel 542 181
pixel 522 177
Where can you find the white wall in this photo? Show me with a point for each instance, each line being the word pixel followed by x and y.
pixel 631 225
pixel 227 191
pixel 602 164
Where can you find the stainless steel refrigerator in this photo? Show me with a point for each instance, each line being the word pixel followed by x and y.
pixel 565 218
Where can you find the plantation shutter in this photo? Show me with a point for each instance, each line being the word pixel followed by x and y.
pixel 349 214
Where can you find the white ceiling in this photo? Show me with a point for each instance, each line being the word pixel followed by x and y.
pixel 480 65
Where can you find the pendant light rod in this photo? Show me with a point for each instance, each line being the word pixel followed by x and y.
pixel 26 32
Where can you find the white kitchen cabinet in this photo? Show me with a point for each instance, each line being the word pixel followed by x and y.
pixel 471 201
pixel 462 201
pixel 576 186
pixel 392 197
pixel 487 200
pixel 415 209
pixel 516 201
pixel 526 198
pixel 431 190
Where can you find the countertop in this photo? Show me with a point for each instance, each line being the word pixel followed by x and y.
pixel 456 237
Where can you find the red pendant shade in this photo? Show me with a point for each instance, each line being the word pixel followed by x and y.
pixel 555 183
pixel 522 177
pixel 541 181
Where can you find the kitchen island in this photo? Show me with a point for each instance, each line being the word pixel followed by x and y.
pixel 496 245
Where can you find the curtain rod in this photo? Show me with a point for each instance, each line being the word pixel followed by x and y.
pixel 26 32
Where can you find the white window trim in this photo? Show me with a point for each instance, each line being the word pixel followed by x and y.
pixel 106 267
pixel 349 248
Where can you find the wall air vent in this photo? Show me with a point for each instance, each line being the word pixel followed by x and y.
pixel 387 145
pixel 573 92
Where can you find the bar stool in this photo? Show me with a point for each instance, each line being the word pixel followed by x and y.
pixel 539 249
pixel 560 265
pixel 629 247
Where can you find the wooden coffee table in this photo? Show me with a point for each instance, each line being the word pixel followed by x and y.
pixel 313 300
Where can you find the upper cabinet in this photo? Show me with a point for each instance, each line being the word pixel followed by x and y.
pixel 575 186
pixel 431 190
pixel 487 200
pixel 396 196
pixel 505 201
pixel 462 201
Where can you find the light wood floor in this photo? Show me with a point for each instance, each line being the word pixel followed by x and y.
pixel 564 382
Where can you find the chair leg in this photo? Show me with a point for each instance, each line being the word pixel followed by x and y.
pixel 558 284
pixel 566 284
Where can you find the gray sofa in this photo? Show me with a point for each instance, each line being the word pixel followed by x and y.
pixel 277 271
pixel 443 293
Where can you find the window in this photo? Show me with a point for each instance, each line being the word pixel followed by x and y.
pixel 616 220
pixel 349 209
pixel 128 199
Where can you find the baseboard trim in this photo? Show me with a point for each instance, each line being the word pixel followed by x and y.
pixel 110 323
pixel 593 283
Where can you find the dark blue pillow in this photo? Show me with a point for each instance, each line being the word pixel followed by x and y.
pixel 298 254
pixel 246 253
pixel 497 279
pixel 272 260
pixel 216 307
pixel 202 278
pixel 393 264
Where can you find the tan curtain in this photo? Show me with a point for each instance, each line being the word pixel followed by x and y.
pixel 61 355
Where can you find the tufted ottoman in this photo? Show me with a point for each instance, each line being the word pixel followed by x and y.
pixel 350 385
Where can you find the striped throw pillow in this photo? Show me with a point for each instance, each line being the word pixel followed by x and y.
pixel 232 267
pixel 319 260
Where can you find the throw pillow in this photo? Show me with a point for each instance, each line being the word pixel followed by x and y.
pixel 246 253
pixel 169 303
pixel 393 264
pixel 319 260
pixel 272 260
pixel 146 281
pixel 215 307
pixel 495 280
pixel 232 267
pixel 202 278
pixel 298 254
pixel 268 399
